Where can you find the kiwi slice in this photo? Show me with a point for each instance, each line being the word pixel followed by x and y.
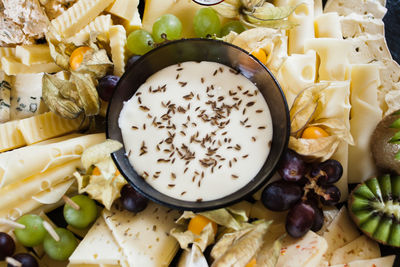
pixel 375 208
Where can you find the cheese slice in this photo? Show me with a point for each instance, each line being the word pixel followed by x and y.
pixel 354 25
pixel 346 7
pixel 144 238
pixel 306 251
pixel 98 247
pixel 5 97
pixel 303 16
pixel 118 48
pixel 333 54
pixel 7 52
pixel 10 136
pixel 28 187
pixel 26 96
pixel 133 24
pixel 296 73
pixel 78 16
pixel 340 232
pixel 365 115
pixel 12 67
pixel 125 9
pixel 328 25
pixel 55 193
pixel 100 24
pixel 387 261
pixel 361 248
pixel 367 48
pixel 46 126
pixel 33 54
pixel 14 165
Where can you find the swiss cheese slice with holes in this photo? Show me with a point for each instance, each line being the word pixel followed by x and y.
pixel 367 48
pixel 144 238
pixel 23 162
pixel 118 48
pixel 33 54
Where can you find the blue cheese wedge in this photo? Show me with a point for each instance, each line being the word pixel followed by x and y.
pixel 26 96
pixel 144 238
pixel 5 97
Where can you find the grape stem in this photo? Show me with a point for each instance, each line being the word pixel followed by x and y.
pixel 13 262
pixel 312 185
pixel 71 203
pixel 51 231
pixel 12 223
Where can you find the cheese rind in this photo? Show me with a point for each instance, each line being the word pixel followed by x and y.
pixel 12 67
pixel 33 54
pixel 78 16
pixel 118 48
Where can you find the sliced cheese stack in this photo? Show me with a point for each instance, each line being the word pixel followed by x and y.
pixel 144 238
pixel 11 66
pixel 118 48
pixel 33 54
pixel 5 97
pixel 100 25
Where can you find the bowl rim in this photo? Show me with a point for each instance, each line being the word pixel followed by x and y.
pixel 204 205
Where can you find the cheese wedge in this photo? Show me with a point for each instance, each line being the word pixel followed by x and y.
pixel 328 25
pixel 10 136
pixel 100 24
pixel 387 261
pixel 33 54
pixel 361 248
pixel 46 126
pixel 28 187
pixel 5 97
pixel 98 247
pixel 125 9
pixel 18 164
pixel 118 48
pixel 368 48
pixel 12 67
pixel 354 25
pixel 26 96
pixel 346 7
pixel 78 16
pixel 339 233
pixel 303 252
pixel 144 238
pixel 365 115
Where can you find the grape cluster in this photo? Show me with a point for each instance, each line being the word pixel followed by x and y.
pixel 132 200
pixel 7 249
pixel 303 190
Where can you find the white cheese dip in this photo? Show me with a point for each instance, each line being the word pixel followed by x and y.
pixel 197 131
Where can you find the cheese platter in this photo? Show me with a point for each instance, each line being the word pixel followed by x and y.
pixel 297 100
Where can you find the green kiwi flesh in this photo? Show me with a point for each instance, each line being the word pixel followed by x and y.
pixel 375 208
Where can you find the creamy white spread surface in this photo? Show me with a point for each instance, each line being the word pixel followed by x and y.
pixel 197 131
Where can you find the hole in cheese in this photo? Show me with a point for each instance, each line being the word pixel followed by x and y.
pixel 302 10
pixel 44 185
pixel 78 149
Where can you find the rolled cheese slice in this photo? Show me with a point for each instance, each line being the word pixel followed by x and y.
pixel 303 16
pixel 328 25
pixel 24 189
pixel 23 162
pixel 365 115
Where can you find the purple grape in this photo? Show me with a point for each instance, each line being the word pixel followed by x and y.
pixel 132 200
pixel 7 246
pixel 106 86
pixel 27 260
pixel 300 219
pixel 281 195
pixel 331 195
pixel 319 217
pixel 292 167
pixel 333 170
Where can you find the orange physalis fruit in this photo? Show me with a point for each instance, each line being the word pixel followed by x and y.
pixel 251 263
pixel 96 171
pixel 197 224
pixel 314 132
pixel 260 55
pixel 77 55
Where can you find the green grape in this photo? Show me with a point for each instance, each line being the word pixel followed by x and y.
pixel 167 26
pixel 60 250
pixel 234 26
pixel 206 22
pixel 33 233
pixel 140 42
pixel 83 217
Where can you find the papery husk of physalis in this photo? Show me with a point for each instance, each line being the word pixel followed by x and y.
pixel 243 249
pixel 227 217
pixel 95 63
pixel 268 256
pixel 99 152
pixel 61 96
pixel 60 51
pixel 192 258
pixel 226 241
pixel 87 92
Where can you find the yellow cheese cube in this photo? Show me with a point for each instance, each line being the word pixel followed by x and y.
pixel 125 9
pixel 33 54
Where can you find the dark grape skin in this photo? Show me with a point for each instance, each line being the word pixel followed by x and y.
pixel 132 200
pixel 332 195
pixel 292 167
pixel 7 246
pixel 319 217
pixel 25 259
pixel 333 170
pixel 106 86
pixel 281 195
pixel 300 219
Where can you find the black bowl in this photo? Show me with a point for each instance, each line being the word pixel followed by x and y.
pixel 200 50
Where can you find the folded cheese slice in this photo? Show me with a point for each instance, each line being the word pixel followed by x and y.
pixel 23 162
pixel 144 238
pixel 98 247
